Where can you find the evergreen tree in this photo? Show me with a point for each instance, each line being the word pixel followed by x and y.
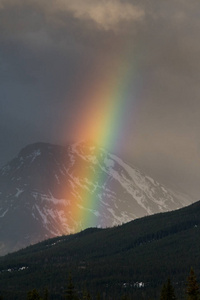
pixel 70 292
pixel 163 294
pixel 46 294
pixel 192 290
pixel 98 297
pixel 33 295
pixel 124 297
pixel 167 292
pixel 86 295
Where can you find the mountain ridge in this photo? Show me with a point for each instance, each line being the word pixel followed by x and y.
pixel 50 190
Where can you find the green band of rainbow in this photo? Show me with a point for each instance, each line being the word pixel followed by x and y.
pixel 110 102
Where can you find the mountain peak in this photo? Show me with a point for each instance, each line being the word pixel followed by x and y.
pixel 50 190
pixel 35 147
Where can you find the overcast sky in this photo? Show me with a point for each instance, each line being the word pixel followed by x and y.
pixel 54 55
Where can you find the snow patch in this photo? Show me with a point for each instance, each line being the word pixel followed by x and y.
pixel 44 218
pixel 109 162
pixel 19 192
pixel 34 155
pixel 57 178
pixel 4 213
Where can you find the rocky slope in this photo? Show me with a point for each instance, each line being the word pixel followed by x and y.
pixel 50 190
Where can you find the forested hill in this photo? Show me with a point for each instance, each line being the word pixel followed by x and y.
pixel 112 260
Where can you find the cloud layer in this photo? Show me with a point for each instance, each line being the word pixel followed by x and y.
pixel 106 14
pixel 53 52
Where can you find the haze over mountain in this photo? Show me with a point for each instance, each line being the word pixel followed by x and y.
pixel 50 190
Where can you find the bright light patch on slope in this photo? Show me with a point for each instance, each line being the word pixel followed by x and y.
pixel 129 188
pixel 146 184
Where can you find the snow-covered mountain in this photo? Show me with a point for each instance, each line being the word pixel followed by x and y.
pixel 44 193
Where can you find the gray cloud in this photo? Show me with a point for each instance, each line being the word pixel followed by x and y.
pixel 52 52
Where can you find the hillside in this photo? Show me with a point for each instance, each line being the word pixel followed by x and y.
pixel 113 260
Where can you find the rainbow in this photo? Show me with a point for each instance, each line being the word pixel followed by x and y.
pixel 103 123
pixel 110 104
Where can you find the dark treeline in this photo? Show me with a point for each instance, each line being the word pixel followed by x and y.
pixel 167 292
pixel 132 261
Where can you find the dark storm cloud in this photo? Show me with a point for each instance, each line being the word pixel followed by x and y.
pixel 48 49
